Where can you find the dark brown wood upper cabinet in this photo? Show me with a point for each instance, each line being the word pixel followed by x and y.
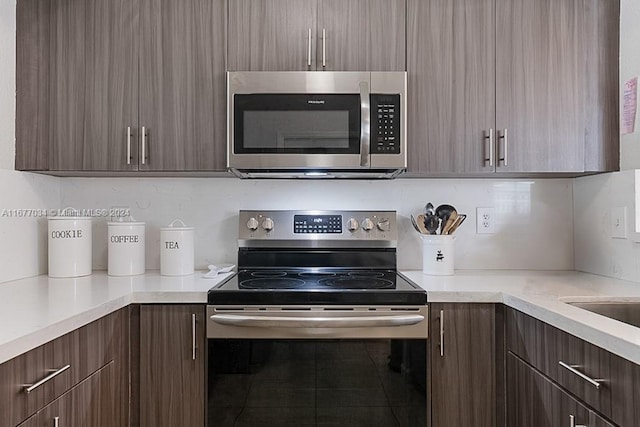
pixel 361 35
pixel 92 74
pixel 515 86
pixel 77 77
pixel 310 35
pixel 182 85
pixel 451 80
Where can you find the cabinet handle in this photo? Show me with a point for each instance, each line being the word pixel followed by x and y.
pixel 56 421
pixel 128 145
pixel 505 144
pixel 441 333
pixel 572 369
pixel 193 336
pixel 489 136
pixel 365 124
pixel 309 50
pixel 324 51
pixel 572 422
pixel 143 144
pixel 28 389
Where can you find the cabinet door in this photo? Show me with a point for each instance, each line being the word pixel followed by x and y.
pixel 90 403
pixel 361 35
pixel 535 401
pixel 462 364
pixel 77 86
pixel 272 35
pixel 172 365
pixel 603 120
pixel 451 76
pixel 541 92
pixel 182 85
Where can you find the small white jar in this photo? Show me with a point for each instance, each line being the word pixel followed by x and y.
pixel 126 247
pixel 69 246
pixel 176 249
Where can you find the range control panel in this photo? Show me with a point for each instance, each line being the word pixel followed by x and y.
pixel 317 228
pixel 317 224
pixel 385 124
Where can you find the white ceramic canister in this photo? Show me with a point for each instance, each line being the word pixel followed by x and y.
pixel 437 254
pixel 176 249
pixel 126 248
pixel 69 246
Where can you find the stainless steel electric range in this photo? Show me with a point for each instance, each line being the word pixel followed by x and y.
pixel 317 311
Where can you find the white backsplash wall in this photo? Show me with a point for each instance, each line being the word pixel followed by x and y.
pixel 23 240
pixel 534 218
pixel 595 250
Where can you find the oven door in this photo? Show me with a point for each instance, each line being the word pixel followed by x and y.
pixel 306 366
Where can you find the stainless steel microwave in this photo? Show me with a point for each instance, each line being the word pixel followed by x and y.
pixel 316 124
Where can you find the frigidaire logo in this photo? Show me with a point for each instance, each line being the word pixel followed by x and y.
pixel 315 101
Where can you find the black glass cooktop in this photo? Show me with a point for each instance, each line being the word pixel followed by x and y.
pixel 317 286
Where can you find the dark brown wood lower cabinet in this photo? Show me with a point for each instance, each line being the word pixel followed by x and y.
pixel 462 363
pixel 534 401
pixel 172 365
pixel 90 403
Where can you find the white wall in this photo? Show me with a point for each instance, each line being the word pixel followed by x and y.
pixel 7 83
pixel 23 250
pixel 629 67
pixel 534 217
pixel 595 250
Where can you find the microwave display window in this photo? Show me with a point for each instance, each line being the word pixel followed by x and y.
pixel 297 123
pixel 287 130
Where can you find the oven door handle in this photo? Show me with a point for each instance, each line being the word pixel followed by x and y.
pixel 317 322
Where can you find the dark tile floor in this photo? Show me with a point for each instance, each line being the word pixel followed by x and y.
pixel 318 383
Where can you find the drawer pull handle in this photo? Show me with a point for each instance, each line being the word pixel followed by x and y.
pixel 56 421
pixel 29 389
pixel 572 369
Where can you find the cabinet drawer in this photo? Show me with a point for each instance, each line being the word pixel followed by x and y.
pixel 574 363
pixel 90 403
pixel 72 357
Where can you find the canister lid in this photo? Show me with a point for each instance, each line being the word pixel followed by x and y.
pixel 124 223
pixel 68 213
pixel 173 227
pixel 53 218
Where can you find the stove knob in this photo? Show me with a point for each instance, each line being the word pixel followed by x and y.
pixel 267 224
pixel 252 224
pixel 352 224
pixel 384 225
pixel 367 224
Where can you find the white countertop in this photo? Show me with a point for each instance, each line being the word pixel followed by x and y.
pixel 38 309
pixel 544 295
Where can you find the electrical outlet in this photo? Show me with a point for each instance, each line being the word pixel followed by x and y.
pixel 485 221
pixel 619 223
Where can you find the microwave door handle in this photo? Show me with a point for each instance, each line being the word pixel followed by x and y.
pixel 365 124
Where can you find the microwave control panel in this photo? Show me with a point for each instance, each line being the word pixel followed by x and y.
pixel 385 124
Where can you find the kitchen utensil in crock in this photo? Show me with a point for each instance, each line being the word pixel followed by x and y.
pixel 457 224
pixel 446 228
pixel 418 224
pixel 444 212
